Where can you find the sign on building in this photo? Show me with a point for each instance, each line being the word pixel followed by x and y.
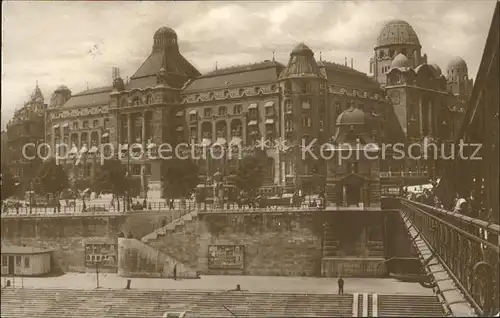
pixel 104 254
pixel 226 256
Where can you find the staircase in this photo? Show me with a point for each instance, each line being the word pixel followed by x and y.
pixel 330 240
pixel 171 227
pixel 134 303
pixel 137 259
pixel 409 306
pixel 44 303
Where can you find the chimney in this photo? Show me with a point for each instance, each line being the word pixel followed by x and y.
pixel 115 73
pixel 352 60
pixel 345 61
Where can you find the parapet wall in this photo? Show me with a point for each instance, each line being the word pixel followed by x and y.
pixel 278 244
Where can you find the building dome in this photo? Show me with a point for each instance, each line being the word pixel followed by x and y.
pixel 62 88
pixel 457 63
pixel 165 31
pixel 436 69
pixel 302 49
pixel 400 61
pixel 397 32
pixel 351 116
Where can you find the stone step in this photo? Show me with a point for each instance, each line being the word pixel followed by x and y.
pixel 130 303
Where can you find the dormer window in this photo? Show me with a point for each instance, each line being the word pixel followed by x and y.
pixel 226 94
pixel 95 123
pixel 136 101
pixel 212 95
pixel 241 91
pixel 257 90
pixel 197 97
pixel 85 124
pixel 149 99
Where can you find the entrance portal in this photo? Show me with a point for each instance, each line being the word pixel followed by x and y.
pixel 353 194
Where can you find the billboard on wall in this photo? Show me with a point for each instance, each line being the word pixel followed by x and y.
pixel 226 256
pixel 104 254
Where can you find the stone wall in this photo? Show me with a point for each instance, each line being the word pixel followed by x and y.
pixel 282 244
pixel 67 235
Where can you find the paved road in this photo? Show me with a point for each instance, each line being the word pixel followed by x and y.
pixel 250 283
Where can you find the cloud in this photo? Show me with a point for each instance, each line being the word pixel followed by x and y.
pixel 75 43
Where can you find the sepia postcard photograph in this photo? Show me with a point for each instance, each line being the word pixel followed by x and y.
pixel 181 159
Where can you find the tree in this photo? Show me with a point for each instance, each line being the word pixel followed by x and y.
pixel 8 185
pixel 111 178
pixel 250 175
pixel 180 177
pixel 51 178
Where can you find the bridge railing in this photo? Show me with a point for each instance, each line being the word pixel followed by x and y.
pixel 466 247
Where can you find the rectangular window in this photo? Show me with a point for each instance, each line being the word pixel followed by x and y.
pixel 253 113
pixel 26 262
pixel 237 109
pixel 148 169
pixel 306 104
pixel 85 124
pixel 207 112
pixel 18 260
pixel 321 106
pixel 5 260
pixel 269 111
pixel 288 106
pixel 106 123
pixel 75 125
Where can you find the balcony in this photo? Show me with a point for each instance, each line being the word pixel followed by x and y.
pixel 402 174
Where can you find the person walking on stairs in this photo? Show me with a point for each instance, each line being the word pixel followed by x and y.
pixel 340 282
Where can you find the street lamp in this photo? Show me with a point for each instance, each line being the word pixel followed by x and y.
pixel 205 143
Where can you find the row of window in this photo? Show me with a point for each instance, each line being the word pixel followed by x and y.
pixel 5 261
pixel 85 125
pixel 241 91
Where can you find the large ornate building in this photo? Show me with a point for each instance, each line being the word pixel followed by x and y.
pixel 27 126
pixel 168 101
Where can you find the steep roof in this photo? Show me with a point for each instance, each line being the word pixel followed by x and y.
pixel 341 75
pixel 95 96
pixel 172 61
pixel 240 75
pixel 13 249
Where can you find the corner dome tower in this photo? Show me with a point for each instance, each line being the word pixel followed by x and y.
pixel 400 61
pixel 351 116
pixel 301 63
pixel 165 38
pixel 457 63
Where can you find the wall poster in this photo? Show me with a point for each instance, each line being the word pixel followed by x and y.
pixel 226 256
pixel 104 254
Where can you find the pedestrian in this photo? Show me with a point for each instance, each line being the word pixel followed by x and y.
pixel 171 202
pixel 340 282
pixel 175 272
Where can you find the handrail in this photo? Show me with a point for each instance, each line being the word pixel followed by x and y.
pixel 467 248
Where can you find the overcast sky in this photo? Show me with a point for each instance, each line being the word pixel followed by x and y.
pixel 75 43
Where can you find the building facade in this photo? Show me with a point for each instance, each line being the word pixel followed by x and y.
pixel 167 100
pixel 27 126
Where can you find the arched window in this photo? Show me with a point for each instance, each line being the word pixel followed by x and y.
pixel 381 54
pixel 270 168
pixel 124 102
pixel 149 99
